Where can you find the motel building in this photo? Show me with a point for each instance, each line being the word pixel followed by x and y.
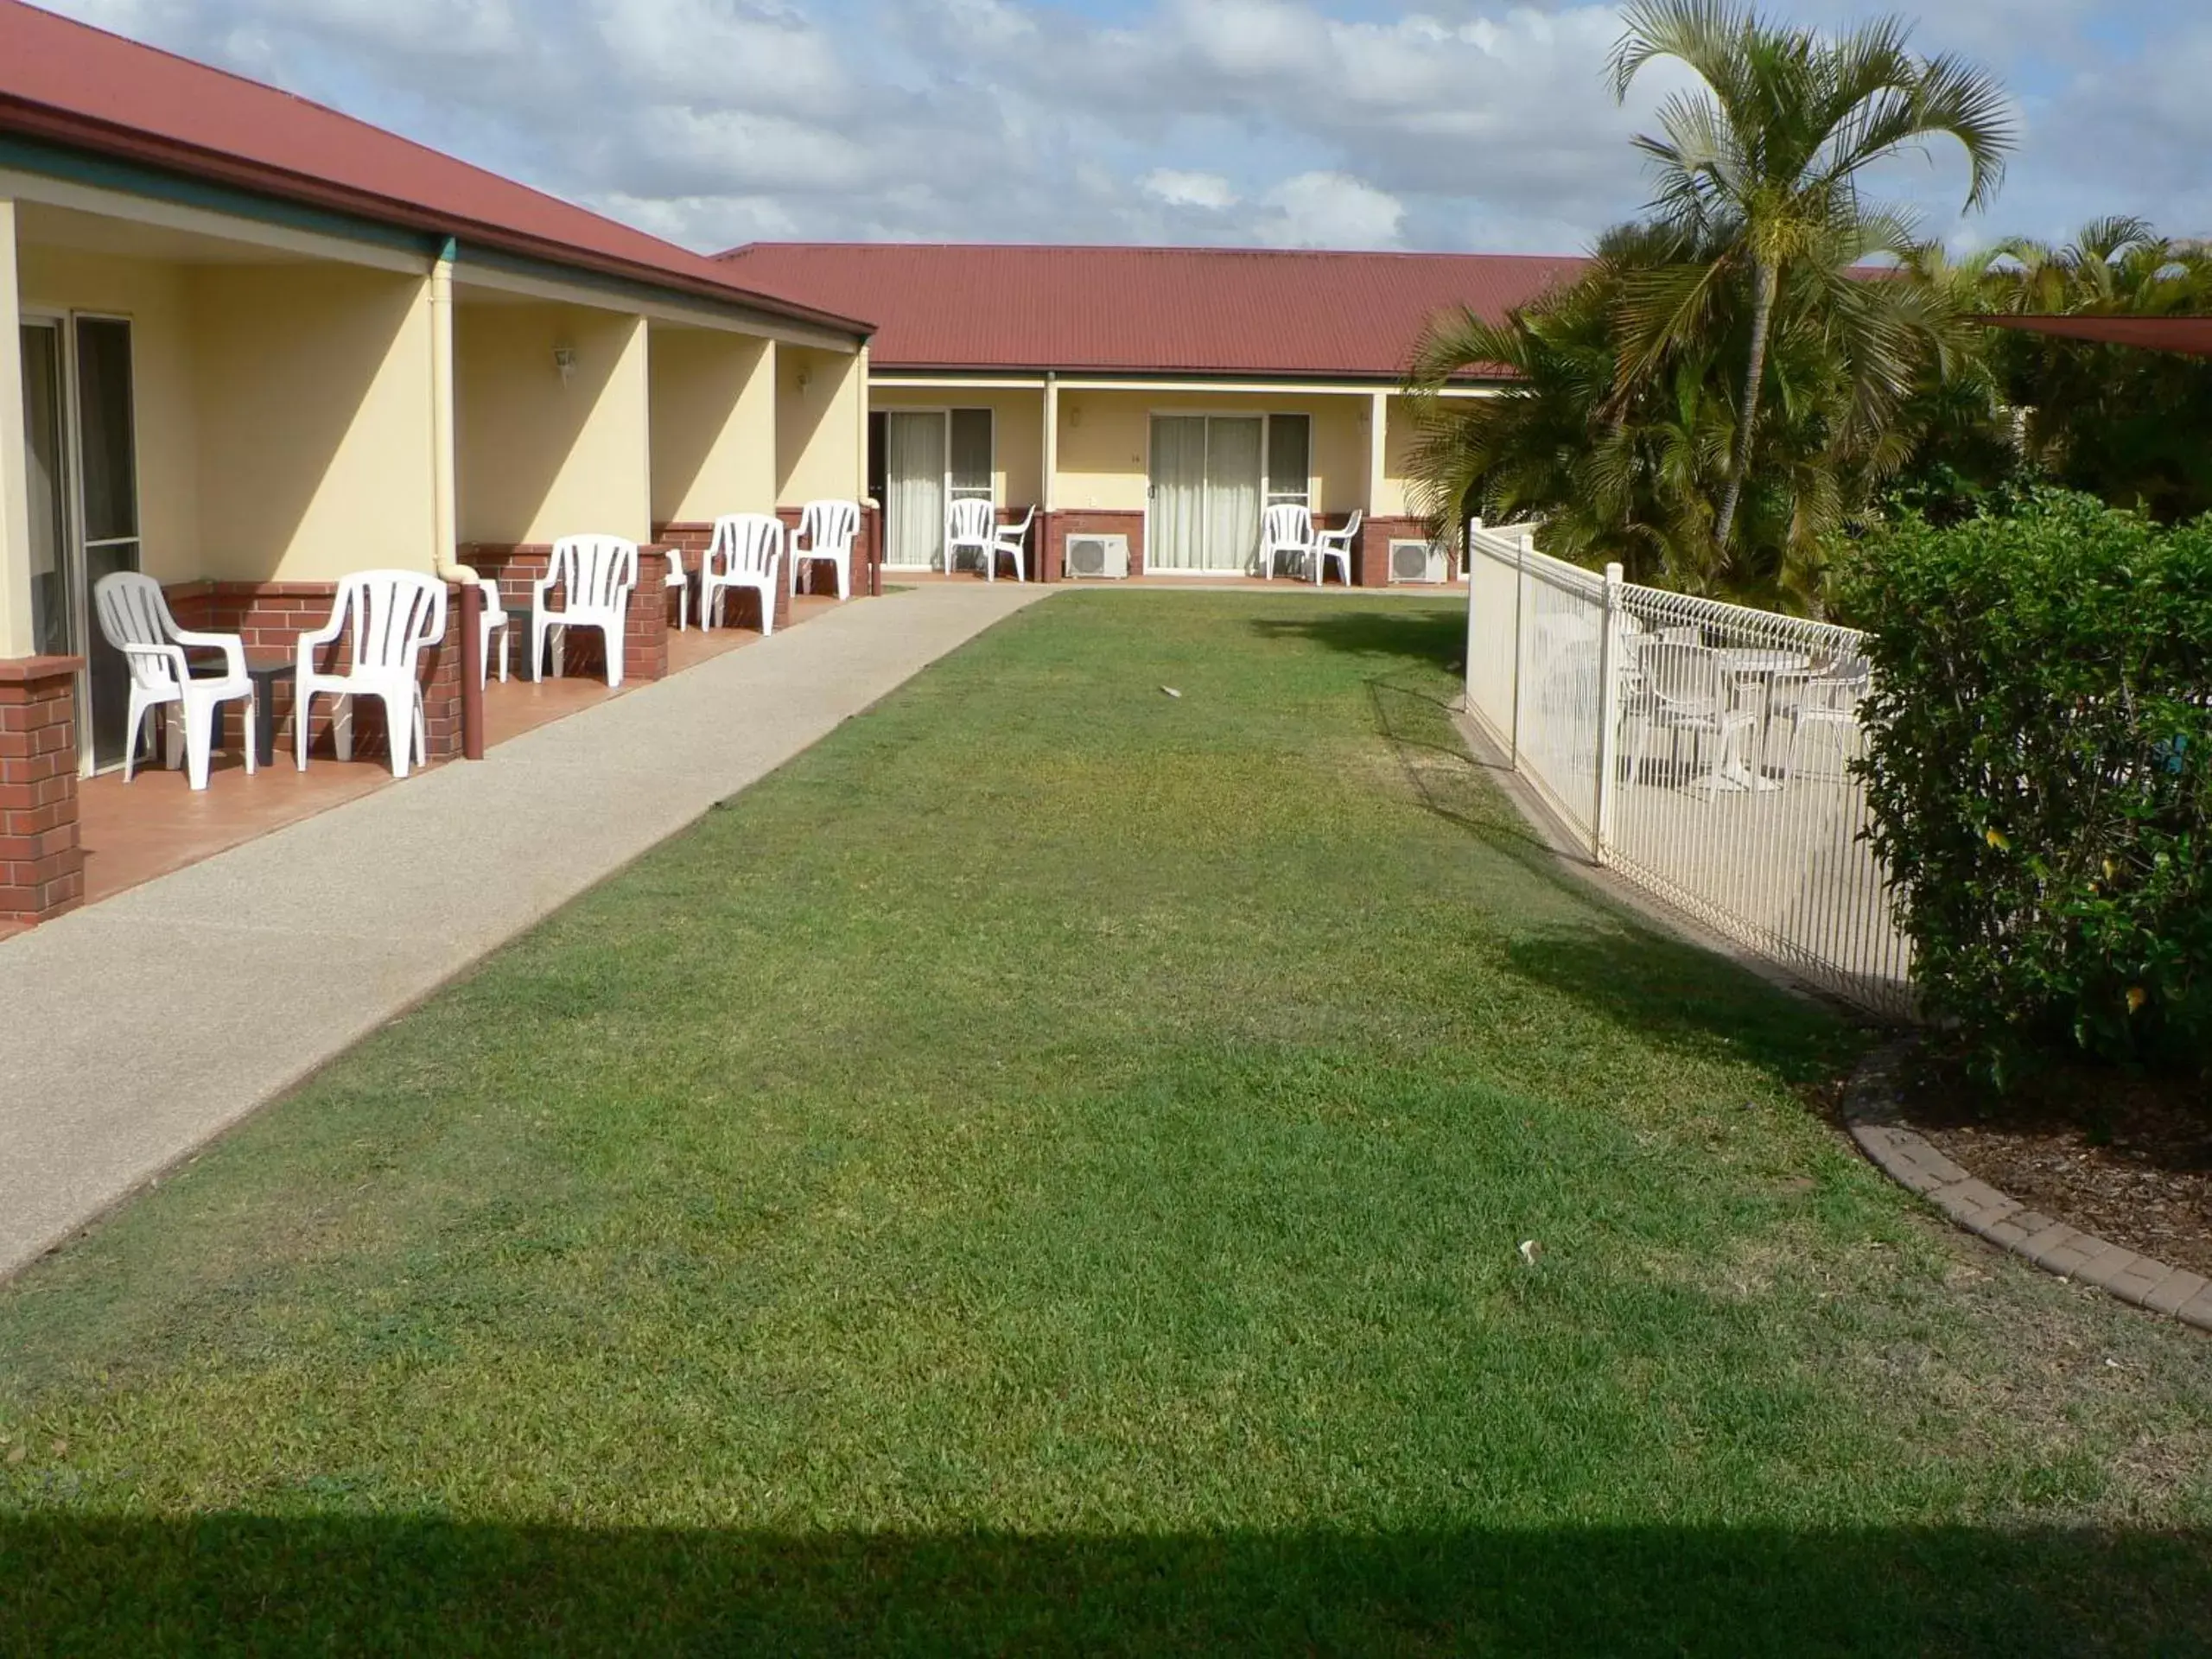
pixel 1153 400
pixel 253 347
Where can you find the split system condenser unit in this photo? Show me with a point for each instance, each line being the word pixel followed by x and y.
pixel 1419 561
pixel 1098 557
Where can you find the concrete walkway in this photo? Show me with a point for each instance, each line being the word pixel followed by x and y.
pixel 139 1027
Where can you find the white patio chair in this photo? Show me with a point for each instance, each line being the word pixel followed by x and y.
pixel 494 620
pixel 1336 544
pixel 391 616
pixel 1287 528
pixel 596 575
pixel 135 618
pixel 971 522
pixel 678 583
pixel 746 554
pixel 1828 702
pixel 827 529
pixel 1683 690
pixel 1010 542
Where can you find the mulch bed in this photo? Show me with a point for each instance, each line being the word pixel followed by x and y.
pixel 2126 1158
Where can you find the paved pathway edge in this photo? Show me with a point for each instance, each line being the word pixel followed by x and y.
pixel 1873 1112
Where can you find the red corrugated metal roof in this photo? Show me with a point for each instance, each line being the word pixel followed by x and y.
pixel 80 86
pixel 1155 310
pixel 2190 334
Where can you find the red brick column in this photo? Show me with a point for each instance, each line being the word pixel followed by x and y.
pixel 42 865
pixel 442 685
pixel 644 625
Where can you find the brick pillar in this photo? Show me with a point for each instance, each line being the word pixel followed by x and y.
pixel 442 685
pixel 1370 564
pixel 41 863
pixel 644 625
pixel 868 578
pixel 1045 551
pixel 790 517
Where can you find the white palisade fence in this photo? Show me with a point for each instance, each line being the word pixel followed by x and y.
pixel 1699 749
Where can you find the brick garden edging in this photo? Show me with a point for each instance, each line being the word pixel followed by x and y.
pixel 1873 1112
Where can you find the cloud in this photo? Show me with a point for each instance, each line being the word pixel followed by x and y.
pixel 1445 123
pixel 1207 190
pixel 1332 210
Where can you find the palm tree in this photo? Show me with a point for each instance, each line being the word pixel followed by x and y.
pixel 1766 163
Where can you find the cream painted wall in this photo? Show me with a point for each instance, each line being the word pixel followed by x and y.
pixel 1105 438
pixel 819 426
pixel 539 459
pixel 314 395
pixel 713 423
pixel 1397 451
pixel 1017 432
pixel 155 296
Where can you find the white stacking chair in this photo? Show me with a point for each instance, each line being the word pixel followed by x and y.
pixel 393 615
pixel 1336 544
pixel 747 552
pixel 135 618
pixel 1287 528
pixel 677 581
pixel 972 522
pixel 596 575
pixel 494 620
pixel 827 530
pixel 1829 702
pixel 1010 542
pixel 1684 691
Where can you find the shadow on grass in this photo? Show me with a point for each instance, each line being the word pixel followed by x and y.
pixel 1681 994
pixel 1434 635
pixel 422 1586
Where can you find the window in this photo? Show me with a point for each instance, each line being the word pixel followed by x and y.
pixel 1290 452
pixel 971 453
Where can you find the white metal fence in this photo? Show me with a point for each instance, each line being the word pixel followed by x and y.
pixel 1699 749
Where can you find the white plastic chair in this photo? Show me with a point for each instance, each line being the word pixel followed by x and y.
pixel 1336 544
pixel 494 620
pixel 678 583
pixel 1010 542
pixel 971 522
pixel 1683 692
pixel 1287 528
pixel 596 575
pixel 393 615
pixel 135 620
pixel 748 553
pixel 828 529
pixel 1828 702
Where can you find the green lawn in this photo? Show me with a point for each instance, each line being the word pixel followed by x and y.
pixel 1045 1171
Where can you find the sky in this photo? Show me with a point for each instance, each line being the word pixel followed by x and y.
pixel 1455 125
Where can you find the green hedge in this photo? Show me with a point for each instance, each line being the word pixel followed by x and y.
pixel 2039 763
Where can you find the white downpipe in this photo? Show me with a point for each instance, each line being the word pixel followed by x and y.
pixel 444 464
pixel 17 639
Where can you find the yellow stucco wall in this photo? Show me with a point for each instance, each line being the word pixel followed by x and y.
pixel 155 296
pixel 537 458
pixel 1105 438
pixel 819 425
pixel 713 423
pixel 313 398
pixel 1017 432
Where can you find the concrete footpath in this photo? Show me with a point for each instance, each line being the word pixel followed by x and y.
pixel 133 1031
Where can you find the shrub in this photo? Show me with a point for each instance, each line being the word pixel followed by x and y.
pixel 2039 766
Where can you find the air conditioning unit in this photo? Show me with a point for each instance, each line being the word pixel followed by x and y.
pixel 1423 562
pixel 1098 557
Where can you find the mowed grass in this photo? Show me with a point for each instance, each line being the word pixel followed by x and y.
pixel 1046 1170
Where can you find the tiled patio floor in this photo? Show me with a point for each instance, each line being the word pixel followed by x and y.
pixel 132 833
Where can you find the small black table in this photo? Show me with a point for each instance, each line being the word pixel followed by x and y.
pixel 264 671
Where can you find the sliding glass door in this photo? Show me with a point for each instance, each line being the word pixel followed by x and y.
pixel 81 462
pixel 931 458
pixel 1205 486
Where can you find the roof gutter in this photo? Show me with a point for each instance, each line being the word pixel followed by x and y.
pixel 82 132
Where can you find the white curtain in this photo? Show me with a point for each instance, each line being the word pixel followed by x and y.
pixel 1232 493
pixel 914 466
pixel 1175 539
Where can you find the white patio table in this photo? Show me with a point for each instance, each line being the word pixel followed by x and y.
pixel 1759 667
